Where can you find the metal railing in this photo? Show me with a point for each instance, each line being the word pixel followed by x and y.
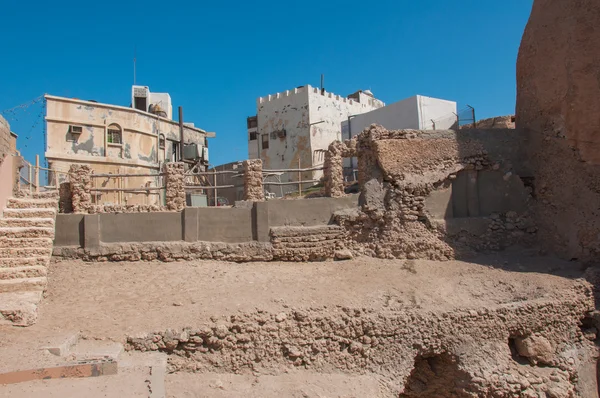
pixel 30 176
pixel 295 178
pixel 120 184
pixel 196 180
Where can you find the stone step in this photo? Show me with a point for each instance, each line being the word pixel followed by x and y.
pixel 11 262
pixel 23 272
pixel 27 232
pixel 305 245
pixel 19 308
pixel 6 252
pixel 30 203
pixel 23 284
pixel 29 213
pixel 305 231
pixel 27 222
pixel 45 195
pixel 24 243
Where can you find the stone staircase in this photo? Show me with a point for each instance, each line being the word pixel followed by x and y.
pixel 26 239
pixel 317 243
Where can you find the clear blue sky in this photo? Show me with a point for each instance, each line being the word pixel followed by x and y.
pixel 215 58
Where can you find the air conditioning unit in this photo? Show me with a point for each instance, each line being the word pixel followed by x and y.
pixel 191 152
pixel 75 129
pixel 205 154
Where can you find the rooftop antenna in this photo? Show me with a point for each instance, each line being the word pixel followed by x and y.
pixel 134 60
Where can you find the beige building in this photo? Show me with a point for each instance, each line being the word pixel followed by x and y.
pixel 114 139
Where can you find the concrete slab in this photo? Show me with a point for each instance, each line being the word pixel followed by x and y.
pixel 61 345
pixel 96 349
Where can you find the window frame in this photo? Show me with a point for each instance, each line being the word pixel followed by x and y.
pixel 265 141
pixel 112 129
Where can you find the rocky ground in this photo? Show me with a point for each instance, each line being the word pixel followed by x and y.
pixel 272 315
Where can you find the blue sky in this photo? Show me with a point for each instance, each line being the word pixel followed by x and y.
pixel 216 58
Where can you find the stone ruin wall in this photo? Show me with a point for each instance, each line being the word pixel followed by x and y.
pixel 253 181
pixel 557 107
pixel 525 349
pixel 398 170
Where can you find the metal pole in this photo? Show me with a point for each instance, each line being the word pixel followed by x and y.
pixel 299 179
pixel 180 134
pixel 37 173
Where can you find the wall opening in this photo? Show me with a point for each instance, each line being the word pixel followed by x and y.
pixel 436 376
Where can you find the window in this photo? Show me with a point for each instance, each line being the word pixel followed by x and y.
pixel 253 136
pixel 265 141
pixel 161 141
pixel 252 122
pixel 114 134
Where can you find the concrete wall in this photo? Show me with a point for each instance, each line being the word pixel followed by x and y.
pixel 307 212
pixel 140 227
pixel 478 194
pixel 139 152
pixel 248 223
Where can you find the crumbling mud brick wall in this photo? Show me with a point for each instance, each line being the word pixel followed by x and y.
pixel 5 139
pixel 334 168
pixel 81 185
pixel 175 186
pixel 557 106
pixel 398 171
pixel 253 181
pixel 523 349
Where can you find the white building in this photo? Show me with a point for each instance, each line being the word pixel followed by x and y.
pixel 294 128
pixel 418 113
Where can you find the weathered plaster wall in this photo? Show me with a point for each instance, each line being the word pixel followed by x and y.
pixel 311 120
pixel 139 152
pixel 557 106
pixel 332 110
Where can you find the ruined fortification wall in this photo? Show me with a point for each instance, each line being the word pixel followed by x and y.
pixel 557 106
pixel 461 352
pixel 438 194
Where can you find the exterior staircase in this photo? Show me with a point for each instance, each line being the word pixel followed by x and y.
pixel 26 239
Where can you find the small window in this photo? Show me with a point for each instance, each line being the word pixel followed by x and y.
pixel 114 134
pixel 161 141
pixel 253 136
pixel 265 141
pixel 252 122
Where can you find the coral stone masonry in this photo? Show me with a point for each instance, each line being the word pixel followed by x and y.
pixel 26 235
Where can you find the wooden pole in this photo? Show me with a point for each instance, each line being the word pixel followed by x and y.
pixel 299 179
pixel 30 177
pixel 215 185
pixel 37 173
pixel 180 134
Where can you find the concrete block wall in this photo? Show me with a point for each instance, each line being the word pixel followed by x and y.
pixel 249 222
